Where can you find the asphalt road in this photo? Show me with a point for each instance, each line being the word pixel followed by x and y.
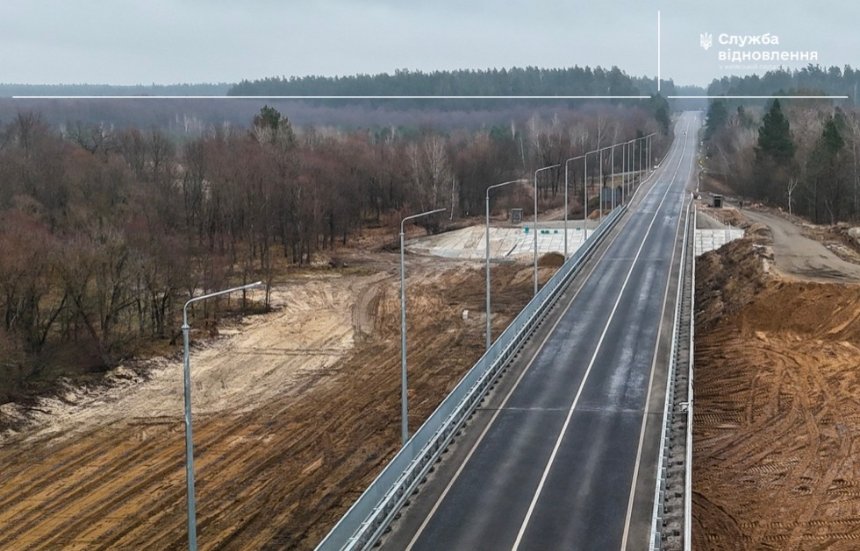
pixel 565 458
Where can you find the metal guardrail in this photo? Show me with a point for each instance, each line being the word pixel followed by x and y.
pixel 688 462
pixel 364 522
pixel 660 487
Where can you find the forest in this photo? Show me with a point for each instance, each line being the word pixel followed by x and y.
pixel 799 155
pixel 184 117
pixel 514 81
pixel 810 80
pixel 106 231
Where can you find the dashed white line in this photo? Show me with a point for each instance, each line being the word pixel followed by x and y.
pixel 561 435
pixel 632 494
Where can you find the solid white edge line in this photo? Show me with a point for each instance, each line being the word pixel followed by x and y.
pixel 632 494
pixel 688 476
pixel 557 446
pixel 505 401
pixel 474 447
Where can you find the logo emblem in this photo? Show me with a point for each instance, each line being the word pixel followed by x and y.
pixel 706 40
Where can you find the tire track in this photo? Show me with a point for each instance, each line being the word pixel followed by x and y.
pixel 777 411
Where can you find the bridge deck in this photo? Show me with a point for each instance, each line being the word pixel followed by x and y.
pixel 565 458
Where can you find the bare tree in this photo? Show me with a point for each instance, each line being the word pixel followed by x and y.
pixel 792 185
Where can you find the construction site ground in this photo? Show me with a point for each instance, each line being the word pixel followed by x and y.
pixel 777 391
pixel 295 412
pixel 298 409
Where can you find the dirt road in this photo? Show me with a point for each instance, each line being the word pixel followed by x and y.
pixel 294 415
pixel 799 256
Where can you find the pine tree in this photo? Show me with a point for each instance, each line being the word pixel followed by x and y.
pixel 826 171
pixel 773 156
pixel 272 127
pixel 661 112
pixel 717 118
pixel 774 136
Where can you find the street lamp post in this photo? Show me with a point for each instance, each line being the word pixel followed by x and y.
pixel 585 197
pixel 189 438
pixel 487 255
pixel 404 400
pixel 612 174
pixel 636 157
pixel 633 162
pixel 600 186
pixel 536 215
pixel 598 151
pixel 629 146
pixel 650 158
pixel 623 171
pixel 566 207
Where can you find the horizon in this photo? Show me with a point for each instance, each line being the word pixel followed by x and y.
pixel 129 43
pixel 664 79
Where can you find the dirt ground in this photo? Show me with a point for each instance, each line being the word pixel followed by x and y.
pixel 801 256
pixel 311 329
pixel 802 251
pixel 777 402
pixel 295 413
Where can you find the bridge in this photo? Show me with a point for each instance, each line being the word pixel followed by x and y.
pixel 565 437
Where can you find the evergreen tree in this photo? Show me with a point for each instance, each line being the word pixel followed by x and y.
pixel 774 136
pixel 270 126
pixel 717 118
pixel 268 117
pixel 661 112
pixel 773 156
pixel 832 135
pixel 826 184
pixel 744 118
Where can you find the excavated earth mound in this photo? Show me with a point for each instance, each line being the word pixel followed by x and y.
pixel 777 407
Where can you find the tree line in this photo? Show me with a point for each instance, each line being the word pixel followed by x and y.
pixel 514 81
pixel 803 157
pixel 104 233
pixel 810 80
pixel 191 117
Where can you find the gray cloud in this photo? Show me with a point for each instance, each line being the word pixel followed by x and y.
pixel 165 41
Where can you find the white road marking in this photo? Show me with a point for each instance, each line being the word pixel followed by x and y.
pixel 552 456
pixel 505 401
pixel 489 425
pixel 628 517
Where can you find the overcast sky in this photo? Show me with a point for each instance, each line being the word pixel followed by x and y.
pixel 170 41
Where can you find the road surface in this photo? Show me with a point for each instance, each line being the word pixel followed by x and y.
pixel 802 257
pixel 564 457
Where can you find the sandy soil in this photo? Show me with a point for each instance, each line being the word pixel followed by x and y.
pixel 506 244
pixel 294 415
pixel 777 408
pixel 311 329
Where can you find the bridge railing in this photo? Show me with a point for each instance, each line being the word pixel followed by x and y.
pixel 688 463
pixel 370 515
pixel 657 517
